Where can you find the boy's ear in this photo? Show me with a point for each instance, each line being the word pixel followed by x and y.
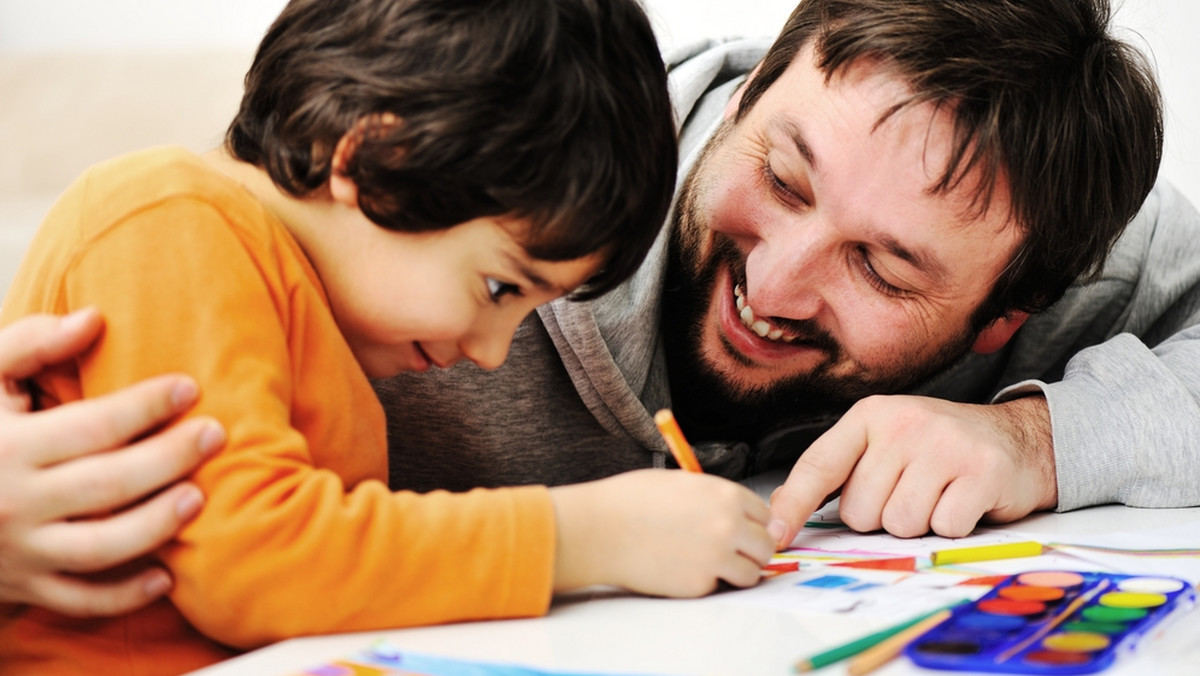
pixel 997 334
pixel 341 186
pixel 736 99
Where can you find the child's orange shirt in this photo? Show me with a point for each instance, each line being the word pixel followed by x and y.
pixel 300 534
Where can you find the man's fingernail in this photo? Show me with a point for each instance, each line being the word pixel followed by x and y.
pixel 184 393
pixel 212 438
pixel 157 584
pixel 76 319
pixel 189 504
pixel 777 529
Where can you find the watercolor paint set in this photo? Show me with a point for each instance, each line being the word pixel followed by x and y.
pixel 1051 622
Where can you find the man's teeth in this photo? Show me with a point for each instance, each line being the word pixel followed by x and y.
pixel 760 327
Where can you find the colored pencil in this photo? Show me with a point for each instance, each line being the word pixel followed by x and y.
pixel 824 524
pixel 1005 550
pixel 848 650
pixel 680 448
pixel 882 653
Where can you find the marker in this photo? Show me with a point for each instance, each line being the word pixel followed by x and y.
pixel 1006 550
pixel 679 446
pixel 882 653
pixel 847 650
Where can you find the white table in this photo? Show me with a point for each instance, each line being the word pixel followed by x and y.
pixel 608 632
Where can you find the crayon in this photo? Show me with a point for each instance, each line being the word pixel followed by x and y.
pixel 1006 550
pixel 680 448
pixel 908 563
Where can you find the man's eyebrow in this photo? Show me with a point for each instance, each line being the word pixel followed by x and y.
pixel 793 131
pixel 926 263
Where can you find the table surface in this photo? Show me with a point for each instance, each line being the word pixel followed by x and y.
pixel 604 631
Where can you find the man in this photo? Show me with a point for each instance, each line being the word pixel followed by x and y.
pixel 892 205
pixel 61 466
pixel 875 259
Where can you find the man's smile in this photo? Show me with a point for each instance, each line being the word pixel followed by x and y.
pixel 763 327
pixel 751 339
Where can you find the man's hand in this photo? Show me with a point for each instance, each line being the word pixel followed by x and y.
pixel 73 478
pixel 910 465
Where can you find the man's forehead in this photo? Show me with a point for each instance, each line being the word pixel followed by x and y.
pixel 791 123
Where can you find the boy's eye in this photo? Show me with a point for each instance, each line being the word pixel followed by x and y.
pixel 498 289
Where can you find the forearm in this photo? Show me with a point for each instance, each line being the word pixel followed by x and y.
pixel 306 556
pixel 1124 420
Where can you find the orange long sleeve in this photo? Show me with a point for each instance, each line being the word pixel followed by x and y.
pixel 300 534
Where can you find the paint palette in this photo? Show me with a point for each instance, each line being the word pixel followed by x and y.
pixel 1051 622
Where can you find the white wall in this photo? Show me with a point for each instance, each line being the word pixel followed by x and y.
pixel 1166 28
pixel 55 25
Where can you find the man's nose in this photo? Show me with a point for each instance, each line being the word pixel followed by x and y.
pixel 787 268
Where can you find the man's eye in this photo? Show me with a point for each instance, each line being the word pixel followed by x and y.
pixel 781 188
pixel 875 279
pixel 498 289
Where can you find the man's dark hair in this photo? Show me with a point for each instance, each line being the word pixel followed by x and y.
pixel 552 110
pixel 1044 99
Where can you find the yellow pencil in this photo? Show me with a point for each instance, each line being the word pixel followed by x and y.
pixel 679 446
pixel 1005 550
pixel 882 653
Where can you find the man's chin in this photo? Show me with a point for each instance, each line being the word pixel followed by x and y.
pixel 742 378
pixel 724 400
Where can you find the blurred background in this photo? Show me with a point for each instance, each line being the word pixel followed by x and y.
pixel 83 80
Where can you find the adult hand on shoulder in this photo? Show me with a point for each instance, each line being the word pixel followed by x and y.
pixel 910 465
pixel 61 467
pixel 660 532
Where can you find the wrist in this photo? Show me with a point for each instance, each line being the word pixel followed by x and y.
pixel 574 565
pixel 1032 433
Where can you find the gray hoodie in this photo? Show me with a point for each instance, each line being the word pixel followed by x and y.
pixel 1118 360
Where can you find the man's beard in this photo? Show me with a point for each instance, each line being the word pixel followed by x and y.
pixel 712 406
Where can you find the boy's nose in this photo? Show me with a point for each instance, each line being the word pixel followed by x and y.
pixel 490 349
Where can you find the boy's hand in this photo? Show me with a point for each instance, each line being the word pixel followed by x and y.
pixel 62 466
pixel 661 532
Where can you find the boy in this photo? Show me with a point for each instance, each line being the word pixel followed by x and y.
pixel 404 182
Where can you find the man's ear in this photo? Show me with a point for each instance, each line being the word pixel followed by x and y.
pixel 736 99
pixel 997 334
pixel 341 186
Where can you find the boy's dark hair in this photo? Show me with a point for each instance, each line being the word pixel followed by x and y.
pixel 552 110
pixel 1043 99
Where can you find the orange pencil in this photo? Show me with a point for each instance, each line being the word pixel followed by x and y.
pixel 679 446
